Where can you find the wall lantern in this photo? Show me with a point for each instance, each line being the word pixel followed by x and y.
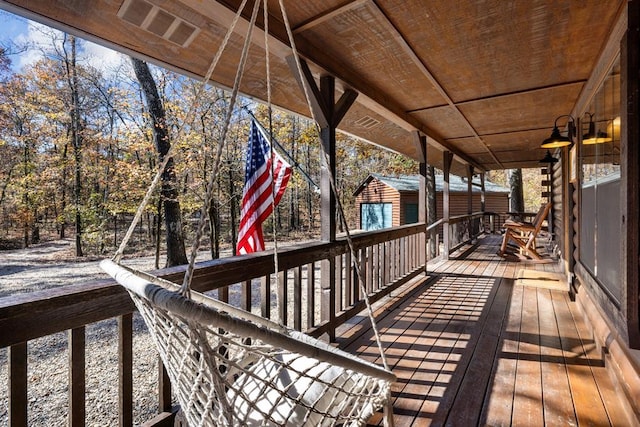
pixel 556 140
pixel 593 137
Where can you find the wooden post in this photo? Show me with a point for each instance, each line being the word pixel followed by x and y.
pixel 447 157
pixel 328 115
pixel 422 197
pixel 125 369
pixel 18 385
pixel 630 170
pixel 469 189
pixel 483 194
pixel 77 376
pixel 470 199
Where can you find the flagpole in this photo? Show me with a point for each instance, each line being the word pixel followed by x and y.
pixel 275 141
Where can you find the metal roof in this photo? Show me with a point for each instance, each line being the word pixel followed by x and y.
pixel 411 183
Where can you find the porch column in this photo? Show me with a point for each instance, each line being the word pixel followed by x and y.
pixel 469 189
pixel 483 193
pixel 470 199
pixel 328 115
pixel 422 198
pixel 630 172
pixel 447 158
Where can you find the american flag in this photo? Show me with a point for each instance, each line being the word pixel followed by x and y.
pixel 258 191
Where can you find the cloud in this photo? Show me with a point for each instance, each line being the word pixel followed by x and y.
pixel 43 40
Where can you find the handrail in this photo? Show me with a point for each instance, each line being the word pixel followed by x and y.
pixel 436 224
pixel 32 315
pixel 387 259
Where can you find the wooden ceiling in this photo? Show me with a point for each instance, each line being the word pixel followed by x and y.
pixel 482 78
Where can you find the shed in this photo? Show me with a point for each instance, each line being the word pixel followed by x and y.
pixel 385 201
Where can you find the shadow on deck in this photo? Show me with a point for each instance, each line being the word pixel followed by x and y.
pixel 486 341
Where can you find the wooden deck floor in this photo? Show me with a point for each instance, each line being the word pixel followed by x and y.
pixel 473 345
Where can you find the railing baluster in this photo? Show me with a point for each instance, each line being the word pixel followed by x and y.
pixel 265 297
pixel 77 382
pixel 125 369
pixel 363 267
pixel 283 294
pixel 164 388
pixel 375 261
pixel 351 293
pixel 369 257
pixel 18 385
pixel 339 283
pixel 297 298
pixel 311 295
pixel 223 294
pixel 246 295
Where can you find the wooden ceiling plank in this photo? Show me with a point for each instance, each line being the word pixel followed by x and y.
pixel 608 55
pixel 328 15
pixel 402 41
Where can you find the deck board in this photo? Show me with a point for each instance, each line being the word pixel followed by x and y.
pixel 470 347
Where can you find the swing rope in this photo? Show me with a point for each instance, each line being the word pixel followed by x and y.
pixel 325 160
pixel 230 367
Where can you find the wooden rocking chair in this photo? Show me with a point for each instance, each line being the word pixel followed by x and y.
pixel 524 234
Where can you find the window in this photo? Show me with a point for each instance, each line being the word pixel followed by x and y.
pixel 375 216
pixel 410 213
pixel 600 227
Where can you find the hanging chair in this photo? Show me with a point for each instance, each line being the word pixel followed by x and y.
pixel 229 367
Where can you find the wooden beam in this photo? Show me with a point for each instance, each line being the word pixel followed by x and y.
pixel 469 189
pixel 447 158
pixel 77 382
pixel 630 171
pixel 483 193
pixel 345 102
pixel 18 385
pixel 328 15
pixel 319 110
pixel 422 193
pixel 125 370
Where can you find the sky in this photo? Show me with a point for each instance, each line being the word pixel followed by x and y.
pixel 15 30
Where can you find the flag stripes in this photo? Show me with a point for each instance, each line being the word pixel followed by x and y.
pixel 259 189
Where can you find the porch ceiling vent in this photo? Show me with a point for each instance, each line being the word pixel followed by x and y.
pixel 158 21
pixel 367 122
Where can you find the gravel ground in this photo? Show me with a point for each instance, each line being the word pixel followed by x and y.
pixel 46 266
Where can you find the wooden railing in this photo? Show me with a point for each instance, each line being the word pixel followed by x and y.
pixel 318 290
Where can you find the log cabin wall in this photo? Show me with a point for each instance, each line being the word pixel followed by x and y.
pixel 606 214
pixel 378 192
pixel 374 190
pixel 558 199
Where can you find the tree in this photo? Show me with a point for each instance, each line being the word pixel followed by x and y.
pixel 516 199
pixel 76 134
pixel 176 253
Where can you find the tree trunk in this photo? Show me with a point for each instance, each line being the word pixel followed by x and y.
pixel 432 214
pixel 516 197
pixel 176 253
pixel 76 136
pixel 232 207
pixel 63 201
pixel 214 229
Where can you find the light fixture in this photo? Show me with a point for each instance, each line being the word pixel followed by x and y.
pixel 593 137
pixel 548 158
pixel 556 140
